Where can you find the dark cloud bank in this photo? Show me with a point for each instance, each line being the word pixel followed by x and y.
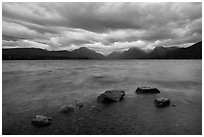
pixel 103 27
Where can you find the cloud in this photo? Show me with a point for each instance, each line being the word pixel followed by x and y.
pixel 24 44
pixel 104 27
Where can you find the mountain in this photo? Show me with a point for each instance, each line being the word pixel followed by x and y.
pixel 38 54
pixel 191 52
pixel 131 53
pixel 162 52
pixel 114 55
pixel 86 52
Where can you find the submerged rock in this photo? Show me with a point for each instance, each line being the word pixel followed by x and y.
pixel 146 90
pixel 79 105
pixel 41 121
pixel 111 96
pixel 173 105
pixel 66 109
pixel 95 109
pixel 162 102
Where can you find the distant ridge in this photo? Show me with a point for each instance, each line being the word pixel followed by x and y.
pixel 40 54
pixel 191 52
pixel 88 53
pixel 131 53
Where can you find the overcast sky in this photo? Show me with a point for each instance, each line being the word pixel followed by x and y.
pixel 104 27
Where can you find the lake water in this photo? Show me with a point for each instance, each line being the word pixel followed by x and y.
pixel 34 87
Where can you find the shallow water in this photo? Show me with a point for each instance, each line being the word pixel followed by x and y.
pixel 41 87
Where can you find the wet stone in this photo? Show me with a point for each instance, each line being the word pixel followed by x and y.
pixel 41 121
pixel 162 102
pixel 79 105
pixel 66 109
pixel 173 105
pixel 111 96
pixel 147 90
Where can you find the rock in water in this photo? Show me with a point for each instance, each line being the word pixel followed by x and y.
pixel 66 109
pixel 146 90
pixel 162 102
pixel 95 109
pixel 79 105
pixel 173 105
pixel 111 96
pixel 41 121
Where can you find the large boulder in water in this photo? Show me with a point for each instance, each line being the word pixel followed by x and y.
pixel 162 102
pixel 41 121
pixel 111 96
pixel 147 90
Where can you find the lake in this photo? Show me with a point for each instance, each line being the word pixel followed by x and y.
pixel 31 87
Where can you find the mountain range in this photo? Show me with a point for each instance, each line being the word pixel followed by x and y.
pixel 192 52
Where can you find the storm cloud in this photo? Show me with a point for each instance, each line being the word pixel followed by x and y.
pixel 104 27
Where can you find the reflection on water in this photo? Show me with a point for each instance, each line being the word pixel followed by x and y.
pixel 41 87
